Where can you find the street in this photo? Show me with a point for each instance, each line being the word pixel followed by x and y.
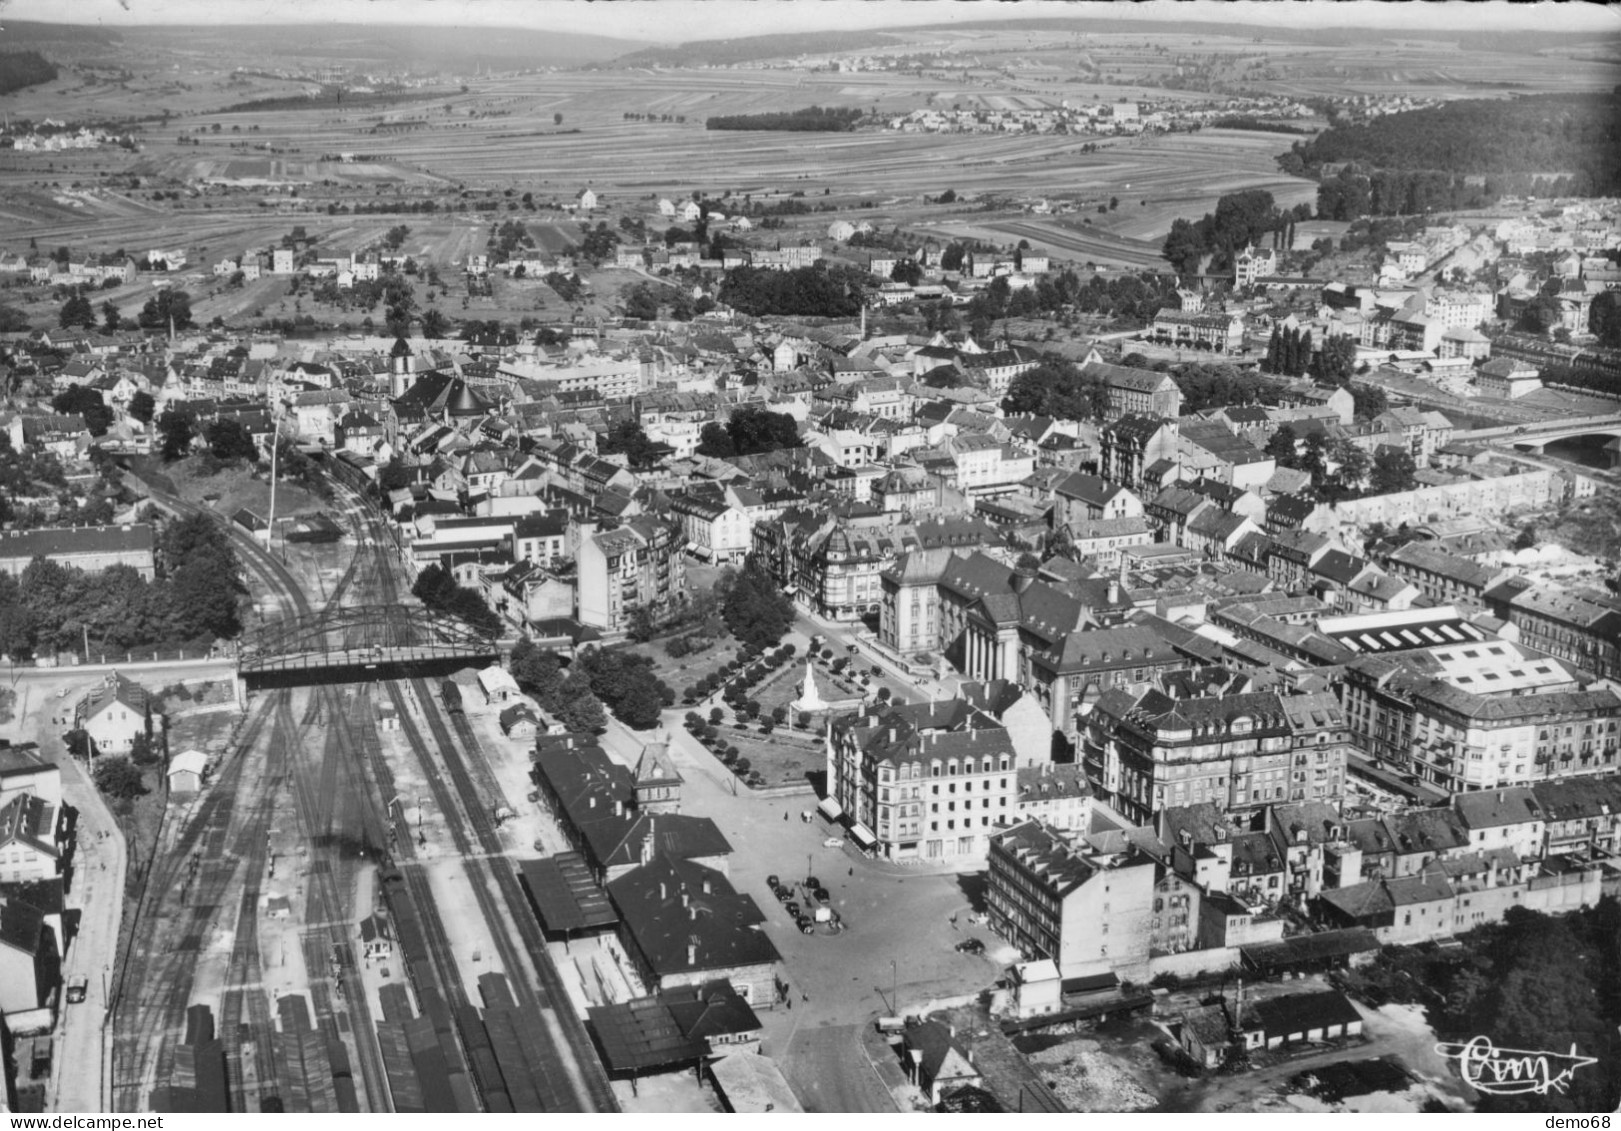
pixel 79 1067
pixel 899 940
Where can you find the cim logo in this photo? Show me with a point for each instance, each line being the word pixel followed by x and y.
pixel 1513 1072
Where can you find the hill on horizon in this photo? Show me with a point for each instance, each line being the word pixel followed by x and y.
pixel 401 45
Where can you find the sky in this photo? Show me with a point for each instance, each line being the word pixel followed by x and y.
pixel 678 20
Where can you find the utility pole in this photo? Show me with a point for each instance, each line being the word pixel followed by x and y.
pixel 275 450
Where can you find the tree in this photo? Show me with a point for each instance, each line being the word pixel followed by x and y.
pixel 13 320
pixel 77 311
pixel 82 400
pixel 906 271
pixel 143 751
pixel 1527 537
pixel 1368 401
pixel 434 324
pixel 640 625
pixel 538 671
pixel 169 304
pixel 78 743
pixel 1056 388
pixel 630 439
pixel 176 431
pixel 394 476
pixel 1336 361
pixel 1281 445
pixel 714 440
pixel 754 429
pixel 1347 478
pixel 142 407
pixel 1274 352
pixel 1393 471
pixel 640 707
pixel 581 710
pixel 111 319
pixel 470 606
pixel 557 120
pixel 756 611
pixel 230 440
pixel 118 778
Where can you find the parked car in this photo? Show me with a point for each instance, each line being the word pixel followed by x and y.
pixel 820 894
pixel 793 910
pixel 970 946
pixel 783 895
pixel 77 988
pixel 833 842
pixel 812 882
pixel 806 927
pixel 773 882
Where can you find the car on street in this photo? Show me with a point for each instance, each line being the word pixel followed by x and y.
pixel 77 988
pixel 820 894
pixel 806 927
pixel 773 882
pixel 970 946
pixel 812 882
pixel 783 895
pixel 792 909
pixel 833 842
pixel 63 694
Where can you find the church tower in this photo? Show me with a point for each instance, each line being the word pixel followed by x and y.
pixel 401 364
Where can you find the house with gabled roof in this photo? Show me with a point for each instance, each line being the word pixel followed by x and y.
pixel 682 923
pixel 936 1063
pixel 113 713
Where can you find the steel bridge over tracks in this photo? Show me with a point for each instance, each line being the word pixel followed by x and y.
pixel 361 643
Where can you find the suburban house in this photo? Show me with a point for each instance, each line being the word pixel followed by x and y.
pixel 113 713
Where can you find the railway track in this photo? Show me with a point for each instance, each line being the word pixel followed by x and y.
pixel 316 790
pixel 181 903
pixel 563 1063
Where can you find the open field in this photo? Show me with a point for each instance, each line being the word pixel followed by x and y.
pixel 552 133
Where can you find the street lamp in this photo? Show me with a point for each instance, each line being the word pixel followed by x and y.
pixel 894 988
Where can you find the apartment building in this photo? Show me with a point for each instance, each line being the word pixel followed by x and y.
pixel 1239 751
pixel 1480 716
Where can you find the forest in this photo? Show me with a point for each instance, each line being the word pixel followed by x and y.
pixel 819 291
pixel 24 68
pixel 823 119
pixel 1553 144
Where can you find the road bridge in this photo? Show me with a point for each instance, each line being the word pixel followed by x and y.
pixel 1535 437
pixel 361 643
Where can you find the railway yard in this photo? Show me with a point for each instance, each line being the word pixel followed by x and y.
pixel 249 986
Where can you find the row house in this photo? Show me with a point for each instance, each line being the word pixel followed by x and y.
pixel 1446 579
pixel 717 530
pixel 1221 333
pixel 1081 498
pixel 1132 444
pixel 1135 391
pixel 1582 628
pixel 1491 717
pixel 1237 751
pixel 1074 672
